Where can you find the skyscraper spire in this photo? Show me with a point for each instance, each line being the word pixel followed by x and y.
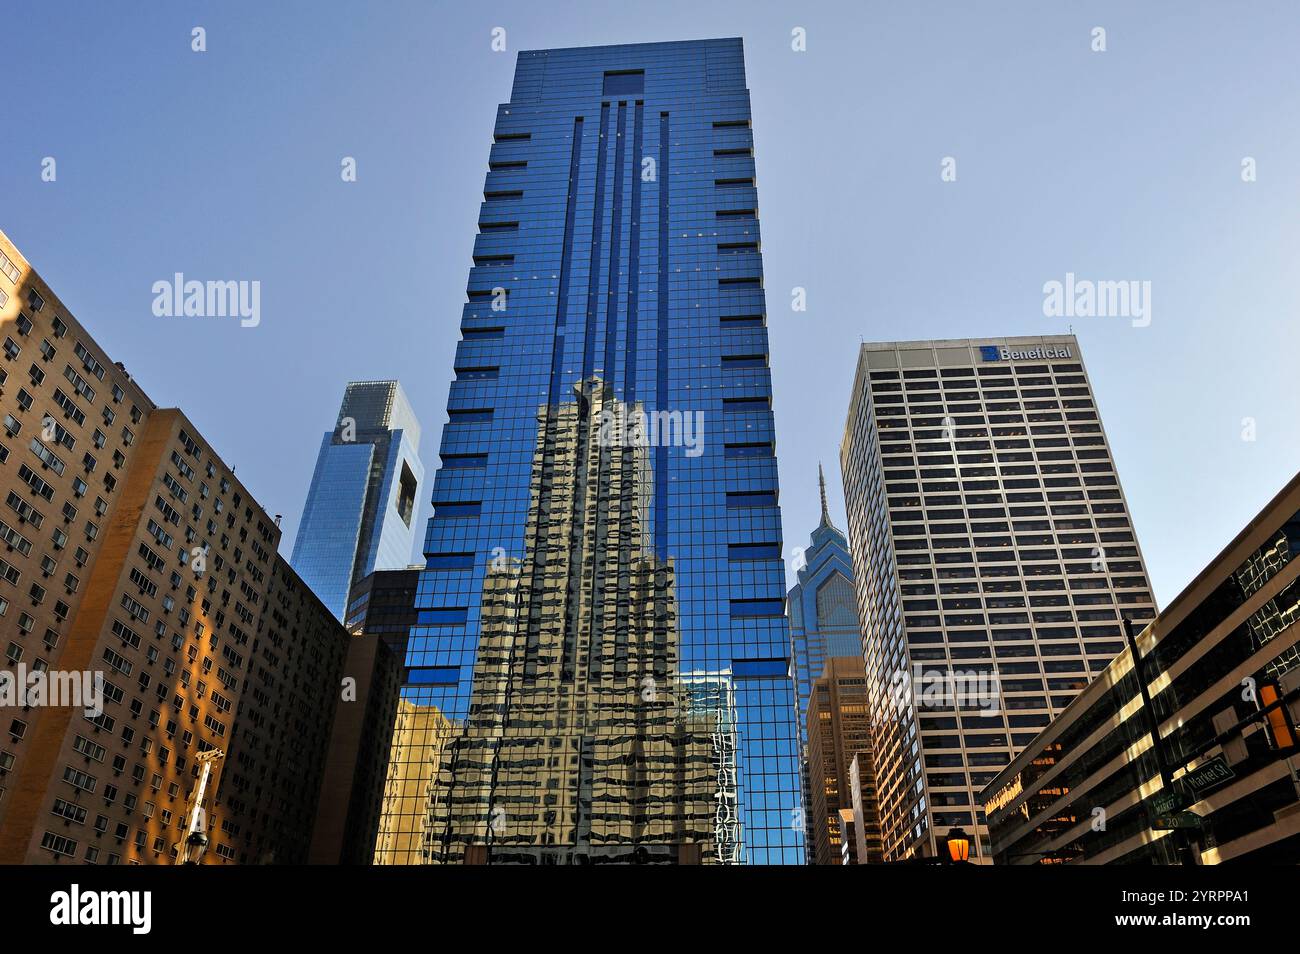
pixel 821 479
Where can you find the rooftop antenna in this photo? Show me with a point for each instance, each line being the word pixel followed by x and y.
pixel 821 480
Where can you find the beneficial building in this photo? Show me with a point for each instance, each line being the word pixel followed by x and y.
pixel 994 560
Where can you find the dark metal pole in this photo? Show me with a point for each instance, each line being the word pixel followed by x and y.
pixel 1185 855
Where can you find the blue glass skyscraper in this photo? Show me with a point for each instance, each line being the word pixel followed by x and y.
pixel 360 509
pixel 605 514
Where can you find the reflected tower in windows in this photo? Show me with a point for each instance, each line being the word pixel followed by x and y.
pixel 617 262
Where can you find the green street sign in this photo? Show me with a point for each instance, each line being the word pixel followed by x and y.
pixel 1168 802
pixel 1209 775
pixel 1177 820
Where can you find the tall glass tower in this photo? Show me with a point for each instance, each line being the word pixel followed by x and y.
pixel 360 510
pixel 601 639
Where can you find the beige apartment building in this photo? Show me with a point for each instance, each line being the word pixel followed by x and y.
pixel 136 567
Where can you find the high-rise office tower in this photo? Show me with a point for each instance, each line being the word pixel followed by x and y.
pixel 823 612
pixel 617 266
pixel 994 559
pixel 839 745
pixel 360 511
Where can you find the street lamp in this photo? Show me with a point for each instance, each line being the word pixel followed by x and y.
pixel 958 846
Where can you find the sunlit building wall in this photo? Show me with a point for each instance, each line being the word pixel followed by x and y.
pixel 839 736
pixel 133 555
pixel 1222 668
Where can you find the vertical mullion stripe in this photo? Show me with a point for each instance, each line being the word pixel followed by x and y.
pixel 597 227
pixel 661 342
pixel 631 344
pixel 566 264
pixel 615 250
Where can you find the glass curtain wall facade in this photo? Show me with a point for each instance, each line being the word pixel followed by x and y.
pixel 612 605
pixel 360 511
pixel 995 560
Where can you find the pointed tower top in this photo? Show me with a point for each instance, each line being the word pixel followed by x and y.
pixel 826 513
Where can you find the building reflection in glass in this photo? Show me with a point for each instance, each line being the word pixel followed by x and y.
pixel 582 741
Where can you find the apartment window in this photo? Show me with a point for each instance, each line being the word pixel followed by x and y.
pixel 58 844
pixel 88 361
pixel 70 811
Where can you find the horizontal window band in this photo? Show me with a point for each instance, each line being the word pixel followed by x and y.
pixel 443 616
pixel 464 461
pixel 748 609
pixel 741 499
pixel 753 551
pixel 433 676
pixel 760 668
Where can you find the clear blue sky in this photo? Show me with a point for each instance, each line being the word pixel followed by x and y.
pixel 1116 165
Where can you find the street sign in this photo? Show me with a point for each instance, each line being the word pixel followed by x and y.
pixel 1177 820
pixel 1208 775
pixel 1167 802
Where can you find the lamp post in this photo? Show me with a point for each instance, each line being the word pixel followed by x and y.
pixel 958 843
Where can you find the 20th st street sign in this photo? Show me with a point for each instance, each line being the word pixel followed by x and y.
pixel 1166 809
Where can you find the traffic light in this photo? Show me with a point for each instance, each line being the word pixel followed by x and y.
pixel 1280 730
